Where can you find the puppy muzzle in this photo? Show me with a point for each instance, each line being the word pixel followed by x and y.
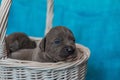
pixel 67 51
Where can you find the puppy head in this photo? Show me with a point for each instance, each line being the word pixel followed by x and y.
pixel 27 43
pixel 59 44
pixel 18 41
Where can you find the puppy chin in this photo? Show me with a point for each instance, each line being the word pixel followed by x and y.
pixel 70 58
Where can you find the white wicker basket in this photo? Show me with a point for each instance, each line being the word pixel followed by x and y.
pixel 11 69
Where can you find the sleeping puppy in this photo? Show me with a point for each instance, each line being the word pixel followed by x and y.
pixel 17 41
pixel 58 45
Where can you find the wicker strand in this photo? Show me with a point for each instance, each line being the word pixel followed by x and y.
pixel 4 23
pixel 49 15
pixel 4 10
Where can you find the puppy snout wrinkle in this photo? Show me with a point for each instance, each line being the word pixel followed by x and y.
pixel 69 49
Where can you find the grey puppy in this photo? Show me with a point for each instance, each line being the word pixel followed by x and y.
pixel 58 45
pixel 17 41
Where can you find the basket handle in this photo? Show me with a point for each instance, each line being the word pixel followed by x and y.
pixel 4 10
pixel 49 15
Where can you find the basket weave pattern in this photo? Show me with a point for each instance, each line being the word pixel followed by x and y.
pixel 3 50
pixel 73 73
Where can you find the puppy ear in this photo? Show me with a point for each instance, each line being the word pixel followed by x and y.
pixel 42 44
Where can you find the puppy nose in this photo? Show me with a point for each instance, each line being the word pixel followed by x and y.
pixel 69 49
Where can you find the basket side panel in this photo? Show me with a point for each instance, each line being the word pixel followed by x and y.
pixel 72 73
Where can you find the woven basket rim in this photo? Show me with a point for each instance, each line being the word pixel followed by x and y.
pixel 13 63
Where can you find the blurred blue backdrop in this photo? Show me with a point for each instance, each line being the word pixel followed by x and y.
pixel 95 24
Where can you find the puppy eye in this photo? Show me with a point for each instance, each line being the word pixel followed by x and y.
pixel 73 40
pixel 57 41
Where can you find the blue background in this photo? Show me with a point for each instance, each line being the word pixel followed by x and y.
pixel 95 24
